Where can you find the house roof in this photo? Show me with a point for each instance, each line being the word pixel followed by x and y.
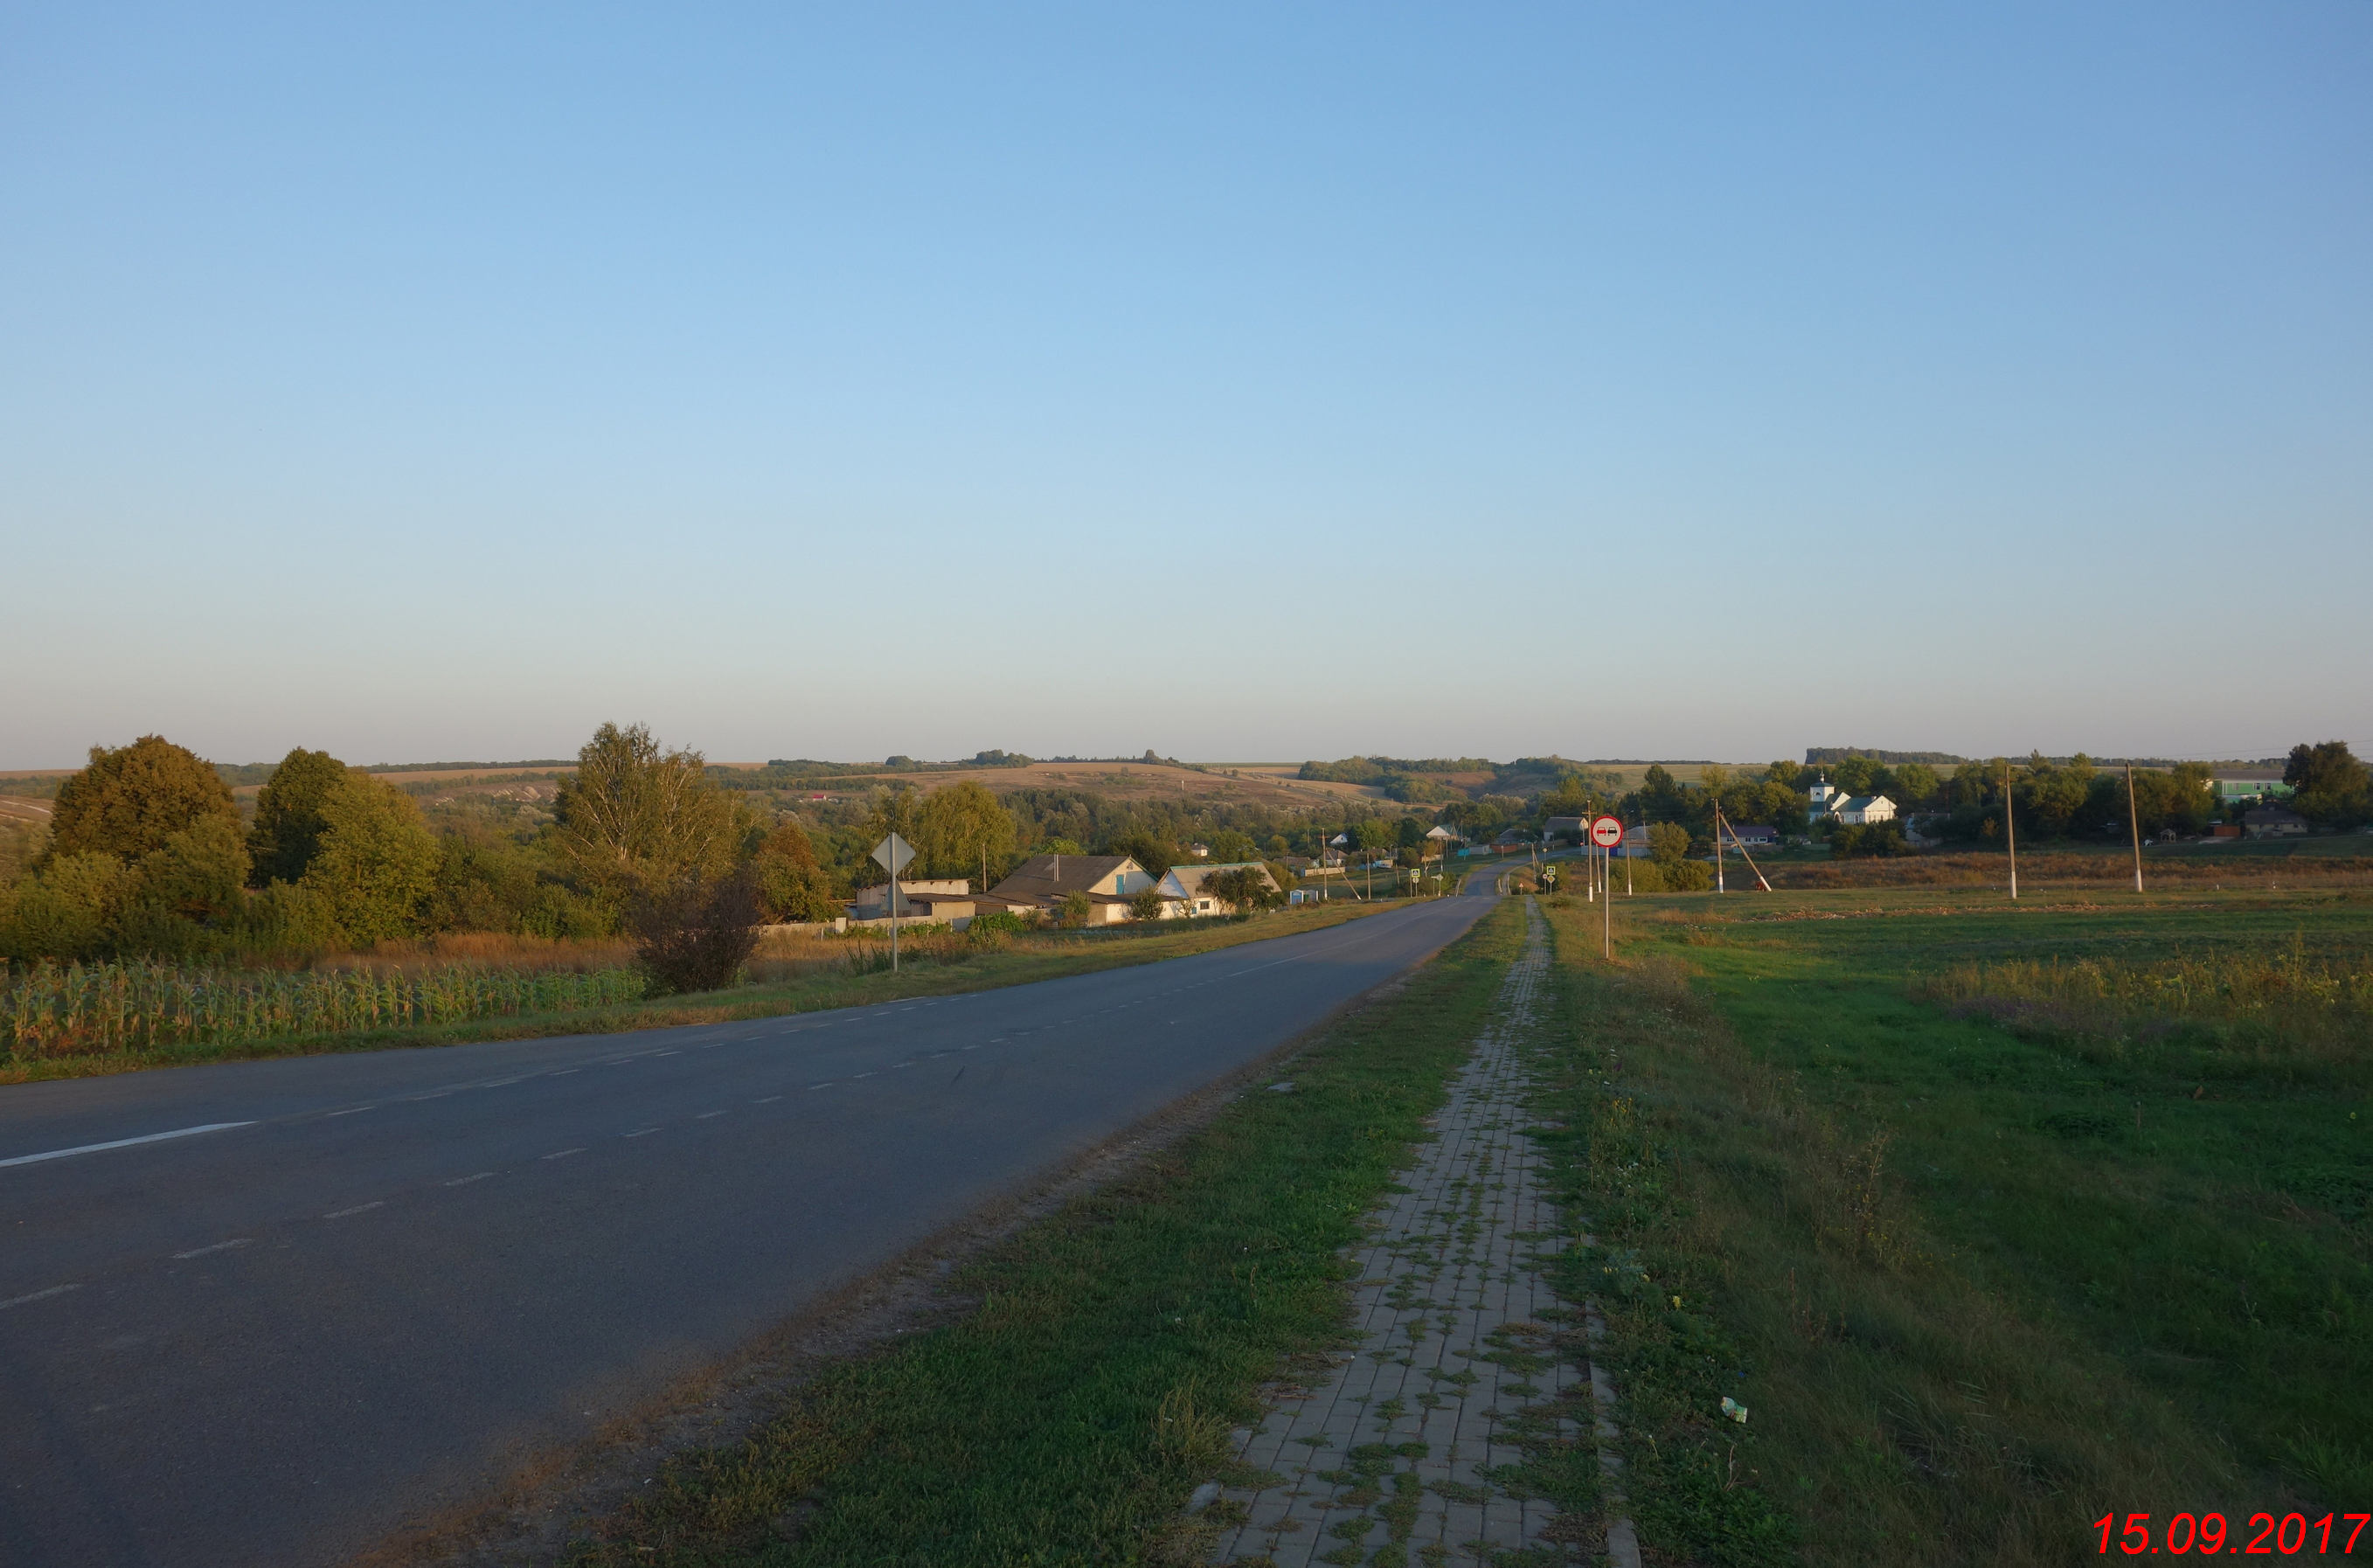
pixel 2271 813
pixel 1190 879
pixel 1862 802
pixel 1044 877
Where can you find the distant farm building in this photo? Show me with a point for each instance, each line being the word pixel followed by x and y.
pixel 2236 785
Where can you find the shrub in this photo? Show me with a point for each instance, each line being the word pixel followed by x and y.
pixel 695 936
pixel 1868 838
pixel 1146 904
pixel 1002 921
pixel 376 864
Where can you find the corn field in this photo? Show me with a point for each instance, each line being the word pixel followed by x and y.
pixel 94 1008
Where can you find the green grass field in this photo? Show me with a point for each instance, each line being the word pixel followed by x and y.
pixel 1985 1266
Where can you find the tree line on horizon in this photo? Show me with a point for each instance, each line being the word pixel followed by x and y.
pixel 148 853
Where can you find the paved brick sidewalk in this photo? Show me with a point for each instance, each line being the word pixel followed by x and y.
pixel 1407 1454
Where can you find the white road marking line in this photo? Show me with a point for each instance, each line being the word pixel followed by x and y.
pixel 975 1045
pixel 767 1101
pixel 617 1060
pixel 342 1213
pixel 357 1110
pixel 464 1181
pixel 122 1143
pixel 861 1074
pixel 896 1065
pixel 37 1296
pixel 218 1247
pixel 706 1115
pixel 663 1053
pixel 438 1095
pixel 819 1085
pixel 563 1154
pixel 642 1133
pixel 560 1073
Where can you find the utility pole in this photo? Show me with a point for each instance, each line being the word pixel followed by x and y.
pixel 2010 830
pixel 2134 821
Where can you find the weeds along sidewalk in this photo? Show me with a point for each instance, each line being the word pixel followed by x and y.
pixel 1088 1372
pixel 1807 1372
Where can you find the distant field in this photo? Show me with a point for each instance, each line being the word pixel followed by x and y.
pixel 1251 785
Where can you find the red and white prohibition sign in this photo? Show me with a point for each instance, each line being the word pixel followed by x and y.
pixel 1606 832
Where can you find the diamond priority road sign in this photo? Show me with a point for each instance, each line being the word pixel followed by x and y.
pixel 894 853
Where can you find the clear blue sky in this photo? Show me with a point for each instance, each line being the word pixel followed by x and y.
pixel 436 380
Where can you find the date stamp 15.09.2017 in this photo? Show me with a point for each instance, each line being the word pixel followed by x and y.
pixel 2207 1534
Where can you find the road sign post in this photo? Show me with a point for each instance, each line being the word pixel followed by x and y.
pixel 894 854
pixel 1606 833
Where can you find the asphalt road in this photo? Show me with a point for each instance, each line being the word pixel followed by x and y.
pixel 379 1280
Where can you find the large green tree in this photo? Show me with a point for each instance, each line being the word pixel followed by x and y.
pixel 288 821
pixel 790 884
pixel 131 798
pixel 377 862
pixel 634 818
pixel 2331 785
pixel 963 831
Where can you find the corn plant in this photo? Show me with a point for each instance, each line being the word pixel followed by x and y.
pixel 93 1009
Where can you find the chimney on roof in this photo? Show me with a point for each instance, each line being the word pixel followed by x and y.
pixel 1059 867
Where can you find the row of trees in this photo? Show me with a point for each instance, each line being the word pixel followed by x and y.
pixel 2051 799
pixel 148 853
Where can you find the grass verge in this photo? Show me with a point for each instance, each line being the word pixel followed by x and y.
pixel 1977 1284
pixel 957 970
pixel 1067 1416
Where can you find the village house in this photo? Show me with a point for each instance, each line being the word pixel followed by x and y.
pixel 1750 836
pixel 1043 882
pixel 1184 886
pixel 2272 822
pixel 1570 828
pixel 1863 809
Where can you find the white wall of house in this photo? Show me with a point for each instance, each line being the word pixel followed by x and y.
pixel 1874 808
